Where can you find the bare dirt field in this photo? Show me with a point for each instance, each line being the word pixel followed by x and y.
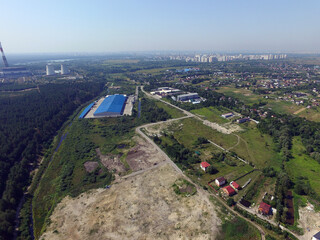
pixel 143 155
pixel 168 127
pixel 144 206
pixel 90 166
pixel 112 162
pixel 309 221
pixel 227 128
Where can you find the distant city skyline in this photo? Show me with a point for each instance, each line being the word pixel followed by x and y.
pixel 102 26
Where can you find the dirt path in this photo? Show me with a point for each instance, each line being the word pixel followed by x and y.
pixel 236 143
pixel 299 111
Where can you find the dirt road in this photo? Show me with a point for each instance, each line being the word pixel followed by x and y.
pixel 299 111
pixel 199 189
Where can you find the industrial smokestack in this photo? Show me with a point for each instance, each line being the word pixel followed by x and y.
pixel 5 62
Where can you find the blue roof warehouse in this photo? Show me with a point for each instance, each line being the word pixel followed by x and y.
pixel 112 106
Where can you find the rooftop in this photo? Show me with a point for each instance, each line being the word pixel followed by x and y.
pixel 230 190
pixel 264 207
pixel 205 164
pixel 113 103
pixel 221 179
pixel 236 185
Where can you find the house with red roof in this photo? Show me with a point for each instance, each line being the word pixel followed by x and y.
pixel 265 209
pixel 234 185
pixel 220 181
pixel 229 190
pixel 204 166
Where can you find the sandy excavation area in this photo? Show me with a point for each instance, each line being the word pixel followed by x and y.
pixel 140 207
pixel 309 221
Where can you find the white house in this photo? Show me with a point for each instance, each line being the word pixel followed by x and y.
pixel 220 181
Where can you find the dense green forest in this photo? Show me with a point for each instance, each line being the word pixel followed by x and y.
pixel 28 121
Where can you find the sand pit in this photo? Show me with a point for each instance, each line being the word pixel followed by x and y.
pixel 309 221
pixel 141 207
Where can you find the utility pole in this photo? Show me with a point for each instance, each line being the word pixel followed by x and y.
pixel 4 57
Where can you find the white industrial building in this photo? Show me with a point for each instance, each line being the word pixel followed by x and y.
pixel 50 70
pixel 64 69
pixel 188 97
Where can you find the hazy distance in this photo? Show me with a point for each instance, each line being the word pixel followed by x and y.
pixel 144 25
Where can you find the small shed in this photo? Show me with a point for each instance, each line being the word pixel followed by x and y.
pixel 220 181
pixel 204 166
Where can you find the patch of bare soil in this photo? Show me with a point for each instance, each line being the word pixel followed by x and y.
pixel 168 127
pixel 141 207
pixel 227 128
pixel 90 166
pixel 112 162
pixel 309 220
pixel 143 155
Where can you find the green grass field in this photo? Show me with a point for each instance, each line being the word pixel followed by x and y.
pixel 212 114
pixel 303 165
pixel 173 112
pixel 258 149
pixel 283 106
pixel 234 227
pixel 192 129
pixel 247 96
pixel 312 114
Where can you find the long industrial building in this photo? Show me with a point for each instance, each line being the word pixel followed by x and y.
pixel 188 97
pixel 112 106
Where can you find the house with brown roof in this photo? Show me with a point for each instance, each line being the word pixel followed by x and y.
pixel 228 190
pixel 265 209
pixel 220 181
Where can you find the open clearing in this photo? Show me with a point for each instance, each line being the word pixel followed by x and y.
pixel 142 207
pixel 143 155
pixel 309 221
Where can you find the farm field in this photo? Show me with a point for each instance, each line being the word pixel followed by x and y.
pixel 212 114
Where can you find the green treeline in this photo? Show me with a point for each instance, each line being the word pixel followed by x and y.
pixel 28 121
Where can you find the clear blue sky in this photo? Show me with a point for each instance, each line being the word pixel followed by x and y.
pixel 28 26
